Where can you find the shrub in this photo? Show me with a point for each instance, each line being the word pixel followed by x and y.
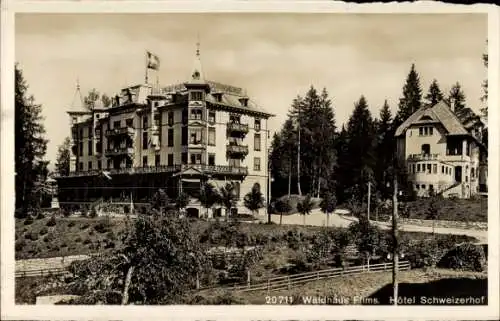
pixel 78 239
pixel 19 213
pixel 102 227
pixel 20 244
pixel 39 215
pixel 93 212
pixel 28 220
pixel 111 236
pixel 87 241
pixel 51 221
pixel 71 224
pixel 65 212
pixel 43 231
pixel 84 226
pixel 465 257
pixel 31 236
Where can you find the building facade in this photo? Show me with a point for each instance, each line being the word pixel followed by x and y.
pixel 175 138
pixel 444 151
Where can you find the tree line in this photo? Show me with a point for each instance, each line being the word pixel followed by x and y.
pixel 312 155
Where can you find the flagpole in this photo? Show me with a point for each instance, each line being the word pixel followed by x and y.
pixel 147 60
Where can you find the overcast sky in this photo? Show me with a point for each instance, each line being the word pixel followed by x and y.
pixel 274 56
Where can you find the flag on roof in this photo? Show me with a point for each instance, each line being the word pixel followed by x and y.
pixel 153 61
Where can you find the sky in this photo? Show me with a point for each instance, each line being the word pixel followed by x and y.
pixel 275 57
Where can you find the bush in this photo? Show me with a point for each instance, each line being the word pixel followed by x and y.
pixel 93 212
pixel 39 215
pixel 71 224
pixel 20 244
pixel 87 241
pixel 65 212
pixel 28 220
pixel 51 221
pixel 19 213
pixel 31 236
pixel 465 257
pixel 43 231
pixel 84 226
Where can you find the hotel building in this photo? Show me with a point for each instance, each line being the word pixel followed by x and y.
pixel 444 151
pixel 175 138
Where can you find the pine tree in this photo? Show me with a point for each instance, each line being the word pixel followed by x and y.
pixel 458 96
pixel 63 157
pixel 341 176
pixel 434 95
pixel 384 150
pixel 484 98
pixel 360 149
pixel 30 145
pixel 412 97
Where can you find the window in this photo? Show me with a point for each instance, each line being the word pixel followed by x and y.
pixel 234 118
pixel 218 97
pixel 81 133
pixel 170 159
pixel 425 131
pixel 256 164
pixel 442 169
pixel 144 161
pixel 211 136
pixel 196 114
pixel 99 164
pixel 80 149
pixel 430 131
pixel 196 95
pixel 145 142
pixel 129 122
pixel 211 116
pixel 145 122
pixel 234 162
pixel 414 167
pixel 81 166
pixel 211 159
pixel 426 149
pixel 257 124
pixel 423 186
pixel 434 168
pixel 195 158
pixel 170 118
pixel 195 136
pixel 109 163
pixel 89 166
pixel 431 187
pixel 90 145
pixel 91 133
pixel 116 124
pixel 157 160
pixel 170 138
pixel 184 158
pixel 418 167
pixel 417 186
pixel 244 102
pixel 256 142
pixel 184 136
pixel 421 131
pixel 98 147
pixel 428 168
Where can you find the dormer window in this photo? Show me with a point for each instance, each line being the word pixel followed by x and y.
pixel 218 97
pixel 196 95
pixel 244 102
pixel 257 124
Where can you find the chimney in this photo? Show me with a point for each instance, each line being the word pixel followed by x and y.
pixel 452 104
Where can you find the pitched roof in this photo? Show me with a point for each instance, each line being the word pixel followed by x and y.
pixel 439 112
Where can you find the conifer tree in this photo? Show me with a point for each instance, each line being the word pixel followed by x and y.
pixel 434 95
pixel 412 97
pixel 30 145
pixel 458 96
pixel 63 157
pixel 484 98
pixel 360 149
pixel 384 150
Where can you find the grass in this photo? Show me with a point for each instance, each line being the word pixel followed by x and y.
pixel 76 236
pixel 294 199
pixel 374 285
pixel 69 236
pixel 462 210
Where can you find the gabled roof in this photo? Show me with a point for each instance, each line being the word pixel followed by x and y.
pixel 439 112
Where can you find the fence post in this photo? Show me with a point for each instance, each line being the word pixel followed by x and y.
pixel 248 278
pixel 197 281
pixel 317 275
pixel 268 285
pixel 289 285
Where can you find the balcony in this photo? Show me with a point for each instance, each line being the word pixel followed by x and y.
pixel 118 151
pixel 424 157
pixel 237 150
pixel 237 128
pixel 120 131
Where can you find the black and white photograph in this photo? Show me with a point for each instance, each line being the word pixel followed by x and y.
pixel 267 159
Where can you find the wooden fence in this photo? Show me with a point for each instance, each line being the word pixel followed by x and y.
pixel 43 272
pixel 287 282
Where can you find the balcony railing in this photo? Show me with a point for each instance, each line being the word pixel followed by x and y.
pixel 119 151
pixel 120 131
pixel 237 128
pixel 207 169
pixel 237 149
pixel 424 157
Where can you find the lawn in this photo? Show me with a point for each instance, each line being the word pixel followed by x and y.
pixel 462 210
pixel 375 286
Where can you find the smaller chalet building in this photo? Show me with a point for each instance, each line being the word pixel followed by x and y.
pixel 444 151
